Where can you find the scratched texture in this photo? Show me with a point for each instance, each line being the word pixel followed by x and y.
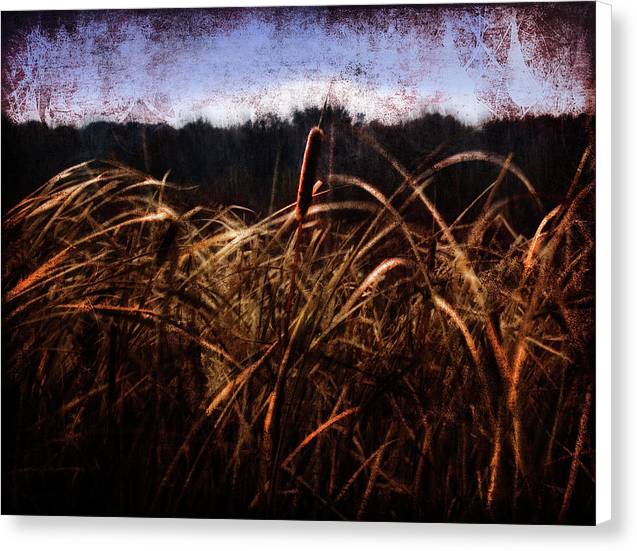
pixel 227 65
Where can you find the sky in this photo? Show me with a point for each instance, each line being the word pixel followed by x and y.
pixel 475 62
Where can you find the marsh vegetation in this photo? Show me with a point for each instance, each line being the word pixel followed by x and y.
pixel 411 340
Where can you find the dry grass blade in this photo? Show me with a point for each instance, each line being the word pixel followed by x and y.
pixel 360 469
pixel 45 268
pixel 373 477
pixel 535 242
pixel 494 467
pixel 494 158
pixel 239 380
pixel 373 279
pixel 575 462
pixel 327 424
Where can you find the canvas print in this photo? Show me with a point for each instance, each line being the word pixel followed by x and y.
pixel 319 263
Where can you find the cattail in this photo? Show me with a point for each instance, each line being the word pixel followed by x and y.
pixel 308 173
pixel 307 181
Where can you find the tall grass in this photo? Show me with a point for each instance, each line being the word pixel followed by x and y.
pixel 334 360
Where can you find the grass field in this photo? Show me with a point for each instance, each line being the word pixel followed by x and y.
pixel 364 358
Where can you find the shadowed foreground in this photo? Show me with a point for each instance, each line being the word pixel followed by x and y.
pixel 368 359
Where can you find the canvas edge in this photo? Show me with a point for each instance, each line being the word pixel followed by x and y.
pixel 603 352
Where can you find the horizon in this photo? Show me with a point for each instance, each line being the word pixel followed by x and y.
pixel 289 119
pixel 230 66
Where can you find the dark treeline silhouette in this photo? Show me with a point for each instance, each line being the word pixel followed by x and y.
pixel 256 164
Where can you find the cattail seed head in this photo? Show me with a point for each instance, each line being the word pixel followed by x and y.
pixel 308 172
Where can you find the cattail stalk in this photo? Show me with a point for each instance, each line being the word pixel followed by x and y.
pixel 307 180
pixel 307 177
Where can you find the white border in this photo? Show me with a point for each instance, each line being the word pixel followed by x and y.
pixel 603 291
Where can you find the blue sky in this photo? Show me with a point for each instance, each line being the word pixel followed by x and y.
pixel 473 62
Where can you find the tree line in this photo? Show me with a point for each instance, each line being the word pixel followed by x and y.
pixel 256 164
